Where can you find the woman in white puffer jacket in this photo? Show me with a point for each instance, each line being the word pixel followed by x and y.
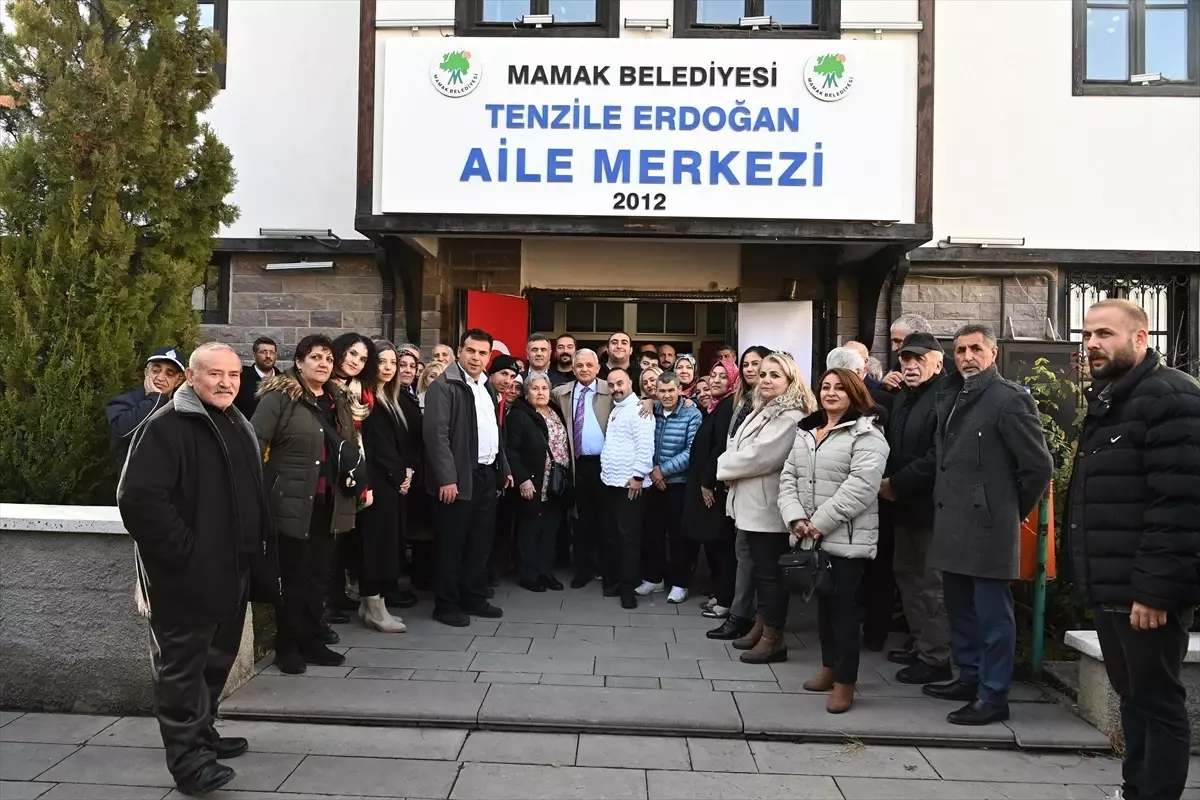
pixel 829 491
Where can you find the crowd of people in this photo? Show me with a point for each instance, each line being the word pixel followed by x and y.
pixel 361 473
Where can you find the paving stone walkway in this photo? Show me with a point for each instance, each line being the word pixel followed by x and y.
pixel 69 757
pixel 575 661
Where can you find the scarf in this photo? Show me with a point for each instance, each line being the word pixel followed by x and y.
pixel 689 389
pixel 735 377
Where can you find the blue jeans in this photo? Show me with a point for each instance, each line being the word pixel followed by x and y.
pixel 983 633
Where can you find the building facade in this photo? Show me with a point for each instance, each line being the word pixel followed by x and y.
pixel 691 171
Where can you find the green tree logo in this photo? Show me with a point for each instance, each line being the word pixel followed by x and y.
pixel 457 63
pixel 833 67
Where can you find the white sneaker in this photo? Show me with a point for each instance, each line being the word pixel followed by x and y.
pixel 678 595
pixel 648 588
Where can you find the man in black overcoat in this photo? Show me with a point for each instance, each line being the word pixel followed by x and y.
pixel 192 497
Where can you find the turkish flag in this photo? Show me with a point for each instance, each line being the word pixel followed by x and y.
pixel 504 316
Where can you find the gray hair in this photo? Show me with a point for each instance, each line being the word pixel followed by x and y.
pixel 586 352
pixel 913 323
pixel 845 358
pixel 204 349
pixel 989 333
pixel 669 377
pixel 875 368
pixel 533 378
pixel 409 346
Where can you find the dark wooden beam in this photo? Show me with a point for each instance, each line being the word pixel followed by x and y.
pixel 347 247
pixel 923 208
pixel 365 193
pixel 774 230
pixel 1022 255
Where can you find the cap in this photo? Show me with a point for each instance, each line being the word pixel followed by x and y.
pixel 171 355
pixel 920 343
pixel 503 362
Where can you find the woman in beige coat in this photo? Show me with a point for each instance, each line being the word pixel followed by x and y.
pixel 829 492
pixel 750 467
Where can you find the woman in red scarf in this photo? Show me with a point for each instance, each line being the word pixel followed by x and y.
pixel 704 519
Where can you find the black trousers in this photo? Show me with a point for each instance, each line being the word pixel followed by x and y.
pixel 590 523
pixel 837 619
pixel 622 547
pixel 1143 668
pixel 877 589
pixel 664 523
pixel 304 572
pixel 465 531
pixel 537 535
pixel 722 564
pixel 346 560
pixel 191 662
pixel 773 597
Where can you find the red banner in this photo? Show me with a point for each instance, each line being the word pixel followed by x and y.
pixel 504 316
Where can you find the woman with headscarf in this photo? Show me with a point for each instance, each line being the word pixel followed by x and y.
pixel 685 368
pixel 704 519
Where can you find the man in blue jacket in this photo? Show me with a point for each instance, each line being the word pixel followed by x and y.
pixel 127 412
pixel 675 426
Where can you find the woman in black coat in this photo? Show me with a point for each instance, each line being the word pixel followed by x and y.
pixel 412 451
pixel 536 440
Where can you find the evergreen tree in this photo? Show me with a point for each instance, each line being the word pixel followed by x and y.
pixel 111 189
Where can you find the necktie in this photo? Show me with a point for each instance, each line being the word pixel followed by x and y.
pixel 578 421
pixel 500 413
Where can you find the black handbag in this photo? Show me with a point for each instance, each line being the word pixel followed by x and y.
pixel 807 572
pixel 559 482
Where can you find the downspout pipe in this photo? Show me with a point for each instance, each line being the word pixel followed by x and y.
pixel 1048 275
pixel 387 280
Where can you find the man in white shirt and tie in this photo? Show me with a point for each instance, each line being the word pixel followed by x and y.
pixel 586 404
pixel 465 471
pixel 625 463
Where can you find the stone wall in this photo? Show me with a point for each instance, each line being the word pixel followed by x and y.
pixel 489 265
pixel 950 303
pixel 287 306
pixel 848 316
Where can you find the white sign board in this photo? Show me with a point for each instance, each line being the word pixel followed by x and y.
pixel 786 326
pixel 765 129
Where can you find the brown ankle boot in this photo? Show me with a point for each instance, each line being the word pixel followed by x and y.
pixel 841 698
pixel 822 683
pixel 770 648
pixel 750 639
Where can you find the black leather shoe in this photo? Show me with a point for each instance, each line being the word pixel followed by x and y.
pixel 955 690
pixel 552 583
pixel 905 657
pixel 489 593
pixel 579 581
pixel 731 628
pixel 342 602
pixel 484 609
pixel 322 656
pixel 612 591
pixel 290 663
pixel 533 586
pixel 978 713
pixel 328 636
pixel 628 598
pixel 922 673
pixel 404 599
pixel 230 746
pixel 208 778
pixel 454 618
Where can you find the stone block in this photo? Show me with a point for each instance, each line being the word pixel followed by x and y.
pixel 910 293
pixel 353 636
pixel 647 667
pixel 923 308
pixel 499 644
pixel 590 633
pixel 310 301
pixel 372 777
pixel 1049 726
pixel 613 710
pixel 417 659
pixel 10 716
pixel 900 789
pixel 365 321
pixel 686 684
pixel 577 647
pixel 711 650
pixel 247 318
pixel 977 292
pixel 940 293
pixel 947 327
pixel 552 749
pixel 24 761
pixel 721 755
pixel 719 786
pixel 55 728
pixel 256 283
pixel 329 319
pixel 837 760
pixel 299 283
pixel 527 782
pixel 632 752
pixel 736 671
pixel 444 676
pixel 287 319
pixel 276 301
pixel 381 673
pixel 1028 290
pixel 555 679
pixel 667 621
pixel 746 686
pixel 617 682
pixel 313 671
pixel 1010 766
pixel 665 635
pixel 478 627
pixel 503 662
pixel 508 677
pixel 136 766
pixel 527 630
pixel 94 791
pixel 1026 311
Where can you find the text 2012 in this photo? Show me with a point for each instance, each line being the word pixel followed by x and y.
pixel 631 201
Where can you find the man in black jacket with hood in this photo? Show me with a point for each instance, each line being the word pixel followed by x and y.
pixel 1134 537
pixel 192 497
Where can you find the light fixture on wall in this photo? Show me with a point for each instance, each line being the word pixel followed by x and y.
pixel 754 23
pixel 297 266
pixel 414 24
pixel 1147 78
pixel 981 241
pixel 647 24
pixel 318 235
pixel 537 20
